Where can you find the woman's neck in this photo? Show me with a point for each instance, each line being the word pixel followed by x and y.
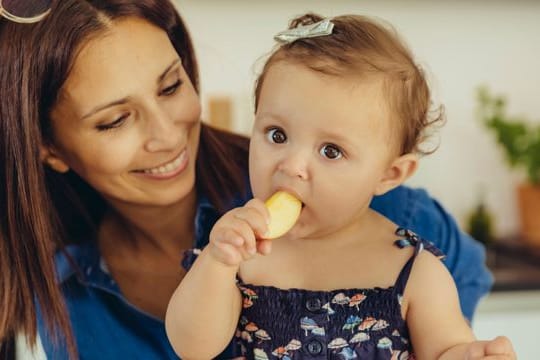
pixel 162 231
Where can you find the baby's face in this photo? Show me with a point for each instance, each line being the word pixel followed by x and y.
pixel 326 139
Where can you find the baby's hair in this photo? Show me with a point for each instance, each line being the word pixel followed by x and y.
pixel 361 47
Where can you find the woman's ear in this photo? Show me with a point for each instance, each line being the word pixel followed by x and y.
pixel 399 170
pixel 50 157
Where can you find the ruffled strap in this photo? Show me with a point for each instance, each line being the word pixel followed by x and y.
pixel 409 238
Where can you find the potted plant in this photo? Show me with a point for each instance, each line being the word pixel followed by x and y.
pixel 520 141
pixel 480 223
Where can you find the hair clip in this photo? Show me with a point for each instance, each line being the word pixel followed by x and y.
pixel 321 28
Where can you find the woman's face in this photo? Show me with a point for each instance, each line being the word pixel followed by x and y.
pixel 128 117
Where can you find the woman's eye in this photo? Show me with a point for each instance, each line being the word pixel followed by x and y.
pixel 276 135
pixel 331 152
pixel 169 90
pixel 113 125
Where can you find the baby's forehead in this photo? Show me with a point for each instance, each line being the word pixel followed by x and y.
pixel 338 103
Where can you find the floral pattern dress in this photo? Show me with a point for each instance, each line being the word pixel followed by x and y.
pixel 339 324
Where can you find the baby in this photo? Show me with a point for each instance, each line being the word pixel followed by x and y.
pixel 341 110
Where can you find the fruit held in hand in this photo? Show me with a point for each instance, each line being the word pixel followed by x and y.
pixel 284 211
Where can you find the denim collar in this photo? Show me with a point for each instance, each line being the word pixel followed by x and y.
pixel 84 261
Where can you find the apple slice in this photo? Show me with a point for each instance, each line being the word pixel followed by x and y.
pixel 284 210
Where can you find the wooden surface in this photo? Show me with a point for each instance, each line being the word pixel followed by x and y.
pixel 514 263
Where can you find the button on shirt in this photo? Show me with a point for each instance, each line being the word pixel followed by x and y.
pixel 106 326
pixel 314 347
pixel 313 305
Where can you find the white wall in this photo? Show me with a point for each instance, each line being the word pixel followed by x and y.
pixel 515 315
pixel 464 44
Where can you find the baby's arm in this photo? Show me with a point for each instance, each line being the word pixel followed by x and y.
pixel 438 329
pixel 204 310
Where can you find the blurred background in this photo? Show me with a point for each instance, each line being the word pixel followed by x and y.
pixel 461 45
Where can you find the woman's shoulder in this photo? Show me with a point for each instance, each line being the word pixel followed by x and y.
pixel 74 258
pixel 403 199
pixel 413 208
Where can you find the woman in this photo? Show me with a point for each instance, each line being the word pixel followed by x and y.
pixel 105 160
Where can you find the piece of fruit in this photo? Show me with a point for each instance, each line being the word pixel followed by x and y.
pixel 284 210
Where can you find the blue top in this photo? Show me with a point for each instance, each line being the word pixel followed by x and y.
pixel 294 324
pixel 107 326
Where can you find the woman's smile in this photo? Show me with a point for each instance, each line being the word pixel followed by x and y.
pixel 167 170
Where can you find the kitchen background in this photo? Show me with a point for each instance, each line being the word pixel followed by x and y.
pixel 462 45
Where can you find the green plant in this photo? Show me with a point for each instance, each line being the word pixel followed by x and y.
pixel 480 224
pixel 519 138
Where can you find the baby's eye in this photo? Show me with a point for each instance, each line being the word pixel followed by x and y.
pixel 276 135
pixel 331 152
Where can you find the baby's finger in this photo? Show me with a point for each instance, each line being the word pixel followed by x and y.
pixel 259 216
pixel 223 231
pixel 259 205
pixel 226 253
pixel 240 229
pixel 499 346
pixel 245 254
pixel 264 247
pixel 234 238
pixel 245 230
pixel 476 350
pixel 255 221
pixel 228 235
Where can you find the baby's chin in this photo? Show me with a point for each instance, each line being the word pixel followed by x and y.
pixel 302 230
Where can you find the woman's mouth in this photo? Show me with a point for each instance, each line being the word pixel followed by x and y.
pixel 169 169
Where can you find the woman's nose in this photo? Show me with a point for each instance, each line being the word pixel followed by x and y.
pixel 295 165
pixel 161 131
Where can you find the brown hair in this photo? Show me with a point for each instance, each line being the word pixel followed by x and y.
pixel 362 47
pixel 42 209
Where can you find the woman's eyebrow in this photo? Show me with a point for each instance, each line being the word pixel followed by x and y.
pixel 102 107
pixel 124 100
pixel 162 76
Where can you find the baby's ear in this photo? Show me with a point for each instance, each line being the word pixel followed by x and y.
pixel 400 169
pixel 51 158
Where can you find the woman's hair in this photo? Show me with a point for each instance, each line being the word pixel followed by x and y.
pixel 42 210
pixel 361 48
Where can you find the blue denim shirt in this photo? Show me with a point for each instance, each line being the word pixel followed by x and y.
pixel 107 326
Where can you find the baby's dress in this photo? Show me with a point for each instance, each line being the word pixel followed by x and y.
pixel 337 324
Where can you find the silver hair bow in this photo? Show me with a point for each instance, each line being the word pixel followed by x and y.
pixel 321 28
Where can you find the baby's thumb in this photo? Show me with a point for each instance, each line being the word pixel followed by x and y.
pixel 500 345
pixel 264 247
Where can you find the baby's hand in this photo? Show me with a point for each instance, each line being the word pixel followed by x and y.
pixel 499 348
pixel 233 237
